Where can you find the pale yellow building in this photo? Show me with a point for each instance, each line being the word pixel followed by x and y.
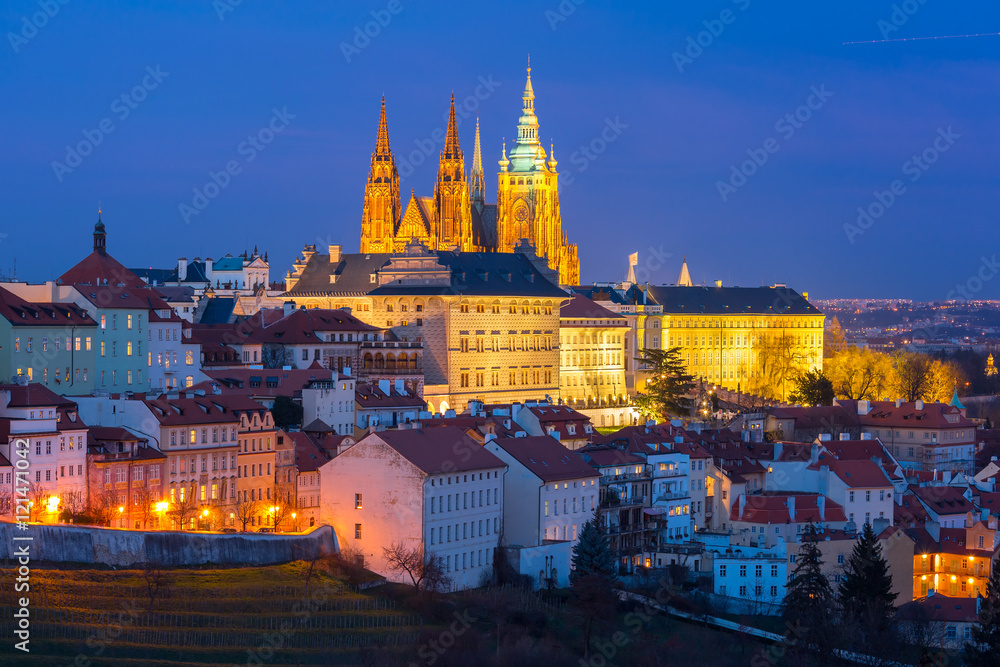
pixel 488 322
pixel 592 355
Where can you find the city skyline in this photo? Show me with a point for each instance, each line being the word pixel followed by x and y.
pixel 671 120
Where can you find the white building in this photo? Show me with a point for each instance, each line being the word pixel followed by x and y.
pixel 57 447
pixel 173 363
pixel 754 580
pixel 671 495
pixel 435 490
pixel 331 401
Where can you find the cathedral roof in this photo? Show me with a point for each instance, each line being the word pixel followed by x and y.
pixel 484 225
pixel 472 273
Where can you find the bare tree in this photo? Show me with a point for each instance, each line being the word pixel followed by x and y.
pixel 280 513
pixel 102 507
pixel 156 580
pixel 37 495
pixel 425 572
pixel 145 510
pixel 245 509
pixel 185 506
pixel 911 375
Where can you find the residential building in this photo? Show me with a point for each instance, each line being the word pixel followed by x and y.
pixel 436 491
pixel 571 428
pixel 762 520
pixel 48 343
pixel 125 478
pixel 383 406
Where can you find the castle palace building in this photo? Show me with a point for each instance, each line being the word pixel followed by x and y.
pixel 457 216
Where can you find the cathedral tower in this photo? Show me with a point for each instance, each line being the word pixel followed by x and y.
pixel 528 197
pixel 382 206
pixel 453 223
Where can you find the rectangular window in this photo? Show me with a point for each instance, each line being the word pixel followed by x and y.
pixel 357 501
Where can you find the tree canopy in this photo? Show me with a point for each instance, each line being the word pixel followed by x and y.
pixel 667 386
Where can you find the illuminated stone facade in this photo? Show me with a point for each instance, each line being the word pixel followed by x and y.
pixel 488 322
pixel 592 354
pixel 457 216
pixel 735 337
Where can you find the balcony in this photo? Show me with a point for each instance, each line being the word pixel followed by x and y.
pixel 614 502
pixel 374 372
pixel 391 345
pixel 672 495
pixel 624 477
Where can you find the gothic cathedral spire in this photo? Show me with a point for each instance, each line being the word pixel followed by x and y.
pixel 451 195
pixel 382 206
pixel 477 184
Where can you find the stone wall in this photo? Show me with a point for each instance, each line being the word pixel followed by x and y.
pixel 80 544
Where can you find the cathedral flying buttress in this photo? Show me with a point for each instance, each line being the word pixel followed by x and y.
pixel 458 216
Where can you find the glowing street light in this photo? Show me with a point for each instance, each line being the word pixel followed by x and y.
pixel 204 513
pixel 53 503
pixel 162 506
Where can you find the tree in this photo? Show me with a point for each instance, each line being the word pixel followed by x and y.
pixel 156 580
pixel 809 600
pixel 245 508
pixel 667 386
pixel 103 507
pixel 273 355
pixel 286 413
pixel 776 362
pixel 425 572
pixel 985 645
pixel 144 507
pixel 281 512
pixel 834 341
pixel 866 596
pixel 592 579
pixel 859 374
pixel 911 375
pixel 812 388
pixel 185 507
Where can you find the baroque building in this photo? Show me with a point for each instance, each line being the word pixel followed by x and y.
pixel 487 323
pixel 458 216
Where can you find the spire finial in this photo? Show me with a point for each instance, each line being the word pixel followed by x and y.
pixel 529 64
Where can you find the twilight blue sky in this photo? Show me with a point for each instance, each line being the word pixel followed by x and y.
pixel 653 188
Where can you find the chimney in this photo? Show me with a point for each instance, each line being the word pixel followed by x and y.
pixel 399 388
pixel 845 436
pixel 821 505
pixel 864 407
pixel 335 251
pixel 209 274
pixel 778 448
pixel 899 402
pixel 824 437
pixel 866 436
pixel 791 508
pixel 969 521
pixel 385 387
pixel 288 308
pixel 919 405
pixel 934 528
pixel 743 504
pixel 182 269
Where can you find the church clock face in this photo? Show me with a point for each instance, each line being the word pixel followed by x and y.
pixel 520 216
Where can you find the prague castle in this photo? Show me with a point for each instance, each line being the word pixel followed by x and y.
pixel 457 216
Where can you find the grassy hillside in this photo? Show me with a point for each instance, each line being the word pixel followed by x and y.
pixel 266 616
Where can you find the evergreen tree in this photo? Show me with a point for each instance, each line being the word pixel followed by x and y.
pixel 591 580
pixel 812 388
pixel 592 554
pixel 666 389
pixel 866 589
pixel 808 601
pixel 984 648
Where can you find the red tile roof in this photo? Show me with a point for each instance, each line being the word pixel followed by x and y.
pixel 860 474
pixel 582 308
pixel 301 326
pixel 773 509
pixel 546 458
pixel 439 450
pixel 309 456
pixel 943 500
pixel 940 608
pixel 34 395
pixel 932 416
pixel 368 396
pixel 114 296
pixel 201 410
pixel 100 268
pixel 21 313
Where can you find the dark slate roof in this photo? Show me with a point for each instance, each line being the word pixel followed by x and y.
pixel 218 310
pixel 169 293
pixel 473 273
pixel 731 300
pixel 484 225
pixel 633 295
pixel 485 274
pixel 156 276
pixel 353 273
pixel 546 458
